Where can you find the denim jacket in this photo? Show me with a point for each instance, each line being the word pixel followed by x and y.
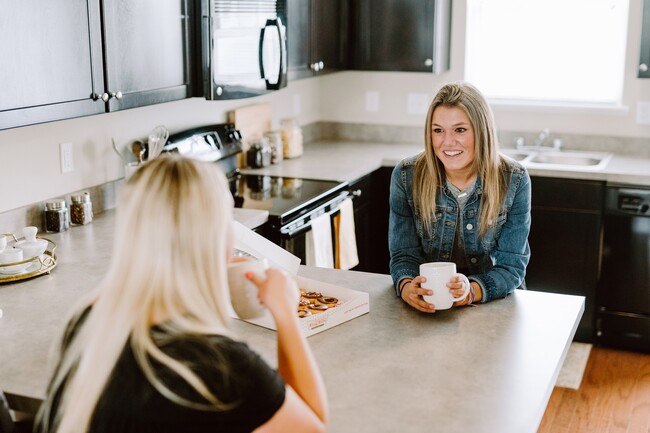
pixel 497 262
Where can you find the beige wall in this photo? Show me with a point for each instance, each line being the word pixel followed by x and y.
pixel 29 156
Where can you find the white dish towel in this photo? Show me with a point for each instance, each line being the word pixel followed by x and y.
pixel 318 243
pixel 348 257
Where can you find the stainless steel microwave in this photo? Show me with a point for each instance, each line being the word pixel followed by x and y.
pixel 244 47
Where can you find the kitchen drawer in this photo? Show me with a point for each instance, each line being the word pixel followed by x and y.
pixel 568 193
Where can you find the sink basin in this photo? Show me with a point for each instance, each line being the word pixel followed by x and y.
pixel 516 154
pixel 559 159
pixel 569 160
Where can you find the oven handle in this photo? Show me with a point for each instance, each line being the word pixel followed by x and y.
pixel 332 208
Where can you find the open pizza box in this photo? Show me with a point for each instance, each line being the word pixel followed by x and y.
pixel 352 303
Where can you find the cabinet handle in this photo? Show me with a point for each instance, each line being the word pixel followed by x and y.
pixel 643 67
pixel 105 97
pixel 357 193
pixel 318 66
pixel 116 95
pixel 428 62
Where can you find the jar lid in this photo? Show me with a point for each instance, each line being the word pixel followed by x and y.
pixel 81 198
pixel 55 204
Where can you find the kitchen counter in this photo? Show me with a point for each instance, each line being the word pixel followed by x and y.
pixel 489 368
pixel 350 160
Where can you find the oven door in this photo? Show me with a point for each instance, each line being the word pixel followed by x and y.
pixel 292 236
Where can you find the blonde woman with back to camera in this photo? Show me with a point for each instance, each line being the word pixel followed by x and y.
pixel 150 350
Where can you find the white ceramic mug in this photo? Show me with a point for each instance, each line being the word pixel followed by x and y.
pixel 438 275
pixel 243 292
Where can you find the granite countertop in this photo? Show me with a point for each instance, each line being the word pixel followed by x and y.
pixel 393 369
pixel 351 160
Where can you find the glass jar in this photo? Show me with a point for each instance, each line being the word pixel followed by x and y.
pixel 277 148
pixel 56 216
pixel 81 209
pixel 259 153
pixel 291 138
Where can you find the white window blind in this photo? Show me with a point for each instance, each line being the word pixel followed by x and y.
pixel 568 52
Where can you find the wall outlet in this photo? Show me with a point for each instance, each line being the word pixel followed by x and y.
pixel 417 103
pixel 372 101
pixel 643 112
pixel 67 162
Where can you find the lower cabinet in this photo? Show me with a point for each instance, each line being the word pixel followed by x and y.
pixel 565 242
pixel 371 220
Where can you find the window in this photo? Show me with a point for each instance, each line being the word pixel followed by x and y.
pixel 547 52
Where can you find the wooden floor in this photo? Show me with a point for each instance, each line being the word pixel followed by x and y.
pixel 614 397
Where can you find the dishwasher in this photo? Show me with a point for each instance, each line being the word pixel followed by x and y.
pixel 624 289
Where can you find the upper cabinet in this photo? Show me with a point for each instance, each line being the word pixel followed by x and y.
pixel 147 52
pixel 61 60
pixel 316 36
pixel 400 35
pixel 644 56
pixel 52 61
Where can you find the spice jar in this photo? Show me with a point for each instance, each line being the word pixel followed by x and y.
pixel 259 153
pixel 81 209
pixel 275 142
pixel 56 216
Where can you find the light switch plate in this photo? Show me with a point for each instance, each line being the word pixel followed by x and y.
pixel 643 112
pixel 67 161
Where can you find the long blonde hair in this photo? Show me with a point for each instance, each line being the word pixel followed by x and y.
pixel 171 246
pixel 429 172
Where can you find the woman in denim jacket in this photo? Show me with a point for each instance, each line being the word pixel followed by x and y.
pixel 459 201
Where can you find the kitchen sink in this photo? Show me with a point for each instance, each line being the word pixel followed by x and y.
pixel 560 159
pixel 516 154
pixel 570 159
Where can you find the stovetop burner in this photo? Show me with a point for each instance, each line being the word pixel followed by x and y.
pixel 286 198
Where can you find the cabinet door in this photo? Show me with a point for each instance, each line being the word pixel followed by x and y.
pixel 644 56
pixel 401 35
pixel 299 39
pixel 565 242
pixel 328 29
pixel 51 61
pixel 146 46
pixel 317 35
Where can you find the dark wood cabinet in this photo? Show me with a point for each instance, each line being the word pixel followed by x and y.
pixel 400 35
pixel 371 220
pixel 71 58
pixel 565 242
pixel 361 190
pixel 644 53
pixel 147 48
pixel 316 37
pixel 51 61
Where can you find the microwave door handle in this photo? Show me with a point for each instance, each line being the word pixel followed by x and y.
pixel 277 23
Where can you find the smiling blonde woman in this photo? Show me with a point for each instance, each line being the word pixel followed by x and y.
pixel 461 201
pixel 150 349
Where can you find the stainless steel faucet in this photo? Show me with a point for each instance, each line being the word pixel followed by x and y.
pixel 520 142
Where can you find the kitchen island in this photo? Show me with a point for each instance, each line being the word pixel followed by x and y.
pixel 489 368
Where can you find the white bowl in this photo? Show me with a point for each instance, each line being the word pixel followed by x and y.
pixel 12 255
pixel 33 248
